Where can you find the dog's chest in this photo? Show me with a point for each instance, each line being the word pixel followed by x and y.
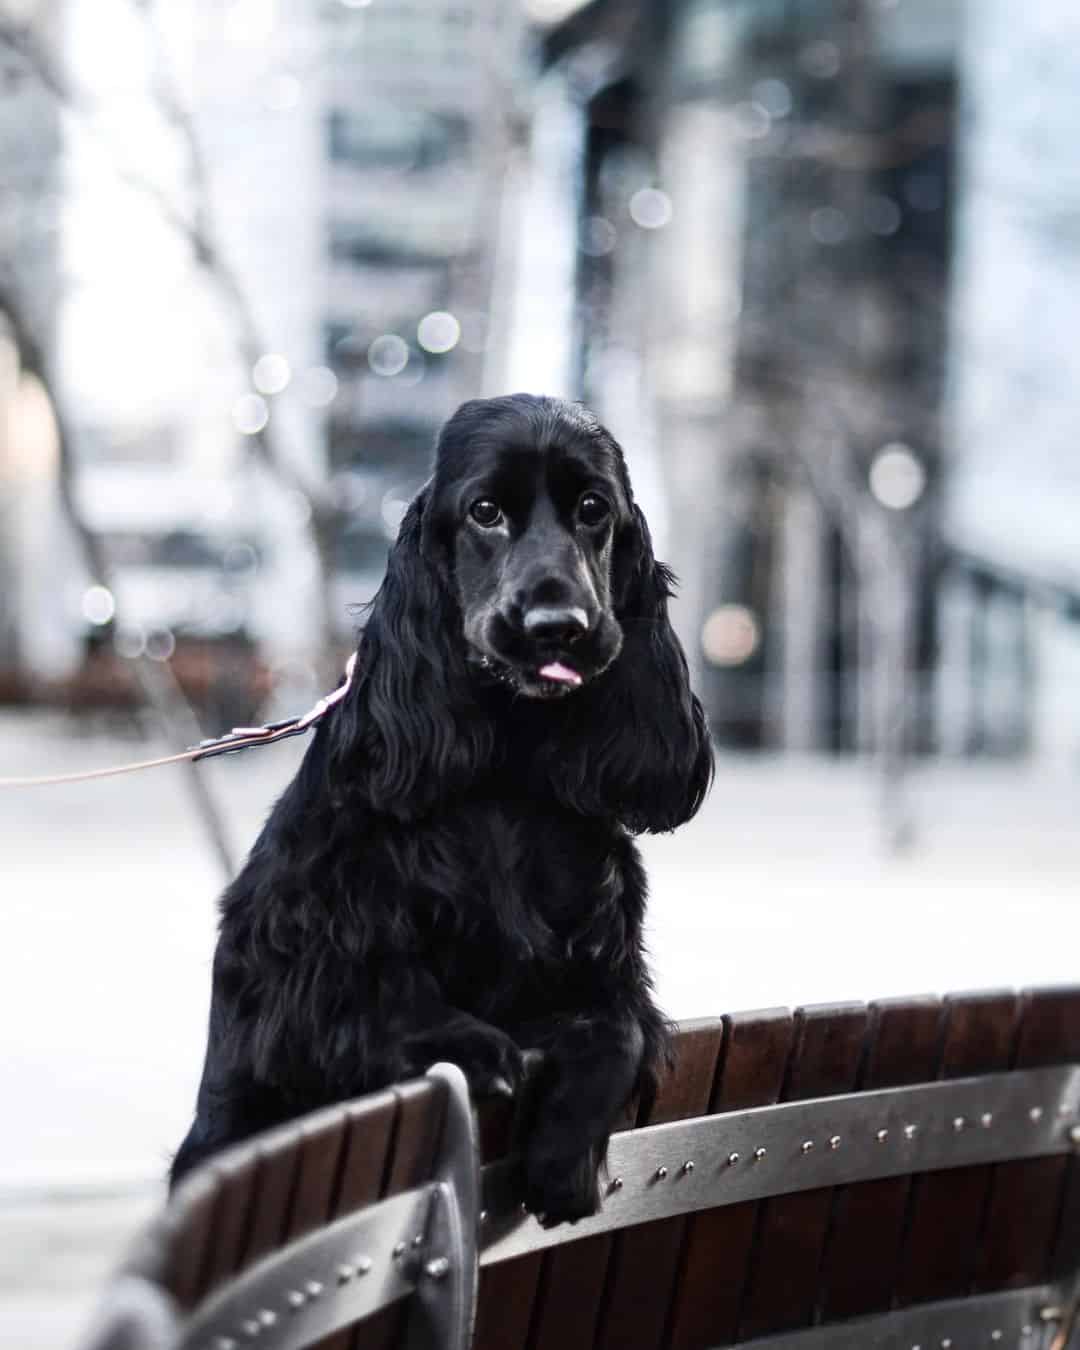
pixel 534 891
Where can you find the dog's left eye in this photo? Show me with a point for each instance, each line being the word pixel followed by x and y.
pixel 592 509
pixel 485 512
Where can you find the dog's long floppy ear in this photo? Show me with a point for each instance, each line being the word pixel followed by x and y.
pixel 638 745
pixel 409 733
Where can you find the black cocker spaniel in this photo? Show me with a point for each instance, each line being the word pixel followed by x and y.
pixel 451 875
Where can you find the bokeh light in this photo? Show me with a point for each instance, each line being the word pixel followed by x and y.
pixel 650 208
pixel 271 373
pixel 897 477
pixel 317 386
pixel 438 332
pixel 160 644
pixel 98 605
pixel 388 355
pixel 730 635
pixel 598 237
pixel 250 414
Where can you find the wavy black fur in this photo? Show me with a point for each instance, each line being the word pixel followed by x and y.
pixel 451 874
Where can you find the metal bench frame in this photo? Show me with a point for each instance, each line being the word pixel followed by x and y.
pixel 424 1247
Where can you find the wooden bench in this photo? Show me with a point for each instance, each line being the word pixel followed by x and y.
pixel 898 1175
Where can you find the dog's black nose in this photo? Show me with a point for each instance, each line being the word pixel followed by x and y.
pixel 550 623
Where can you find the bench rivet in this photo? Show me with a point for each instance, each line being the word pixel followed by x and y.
pixel 759 1154
pixel 267 1317
pixel 995 1335
pixel 295 1299
pixel 615 1184
pixel 1074 1134
pixel 910 1131
pixel 732 1159
pixel 418 1240
pixel 807 1146
pixel 1035 1114
pixel 313 1288
pixel 688 1167
pixel 1051 1313
pixel 437 1269
pixel 946 1342
pixel 661 1173
pixel 399 1247
pixel 986 1120
pixel 250 1328
pixel 882 1136
pixel 362 1264
pixel 345 1273
pixel 1026 1330
pixel 483 1216
pixel 958 1123
pixel 224 1343
pixel 834 1142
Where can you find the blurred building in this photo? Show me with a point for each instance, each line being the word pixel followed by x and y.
pixel 357 154
pixel 785 232
pixel 347 165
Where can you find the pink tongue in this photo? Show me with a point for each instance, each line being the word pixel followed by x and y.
pixel 555 670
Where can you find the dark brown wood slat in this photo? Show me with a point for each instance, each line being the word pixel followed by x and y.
pixel 229 1227
pixel 718 1243
pixel 278 1162
pixel 1027 1196
pixel 947 1208
pixel 368 1139
pixel 859 1266
pixel 644 1260
pixel 322 1148
pixel 506 1292
pixel 782 1291
pixel 189 1241
pixel 420 1117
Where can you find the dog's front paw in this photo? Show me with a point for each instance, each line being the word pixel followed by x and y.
pixel 561 1188
pixel 490 1060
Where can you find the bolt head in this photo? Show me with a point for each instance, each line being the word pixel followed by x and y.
pixel 437 1269
pixel 688 1166
pixel 986 1120
pixel 759 1154
pixel 267 1317
pixel 615 1184
pixel 807 1146
pixel 661 1173
pixel 250 1328
pixel 362 1265
pixel 958 1123
pixel 910 1131
pixel 1074 1134
pixel 1035 1114
pixel 399 1247
pixel 834 1142
pixel 313 1288
pixel 882 1136
pixel 732 1159
pixel 295 1299
pixel 345 1273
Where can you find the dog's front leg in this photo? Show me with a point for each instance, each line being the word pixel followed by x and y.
pixel 590 1070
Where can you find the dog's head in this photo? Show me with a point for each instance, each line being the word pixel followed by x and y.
pixel 524 567
pixel 528 501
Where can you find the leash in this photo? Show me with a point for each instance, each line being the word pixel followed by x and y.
pixel 239 738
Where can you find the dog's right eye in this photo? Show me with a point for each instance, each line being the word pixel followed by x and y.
pixel 485 512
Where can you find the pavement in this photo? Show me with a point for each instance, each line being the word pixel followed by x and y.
pixel 778 893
